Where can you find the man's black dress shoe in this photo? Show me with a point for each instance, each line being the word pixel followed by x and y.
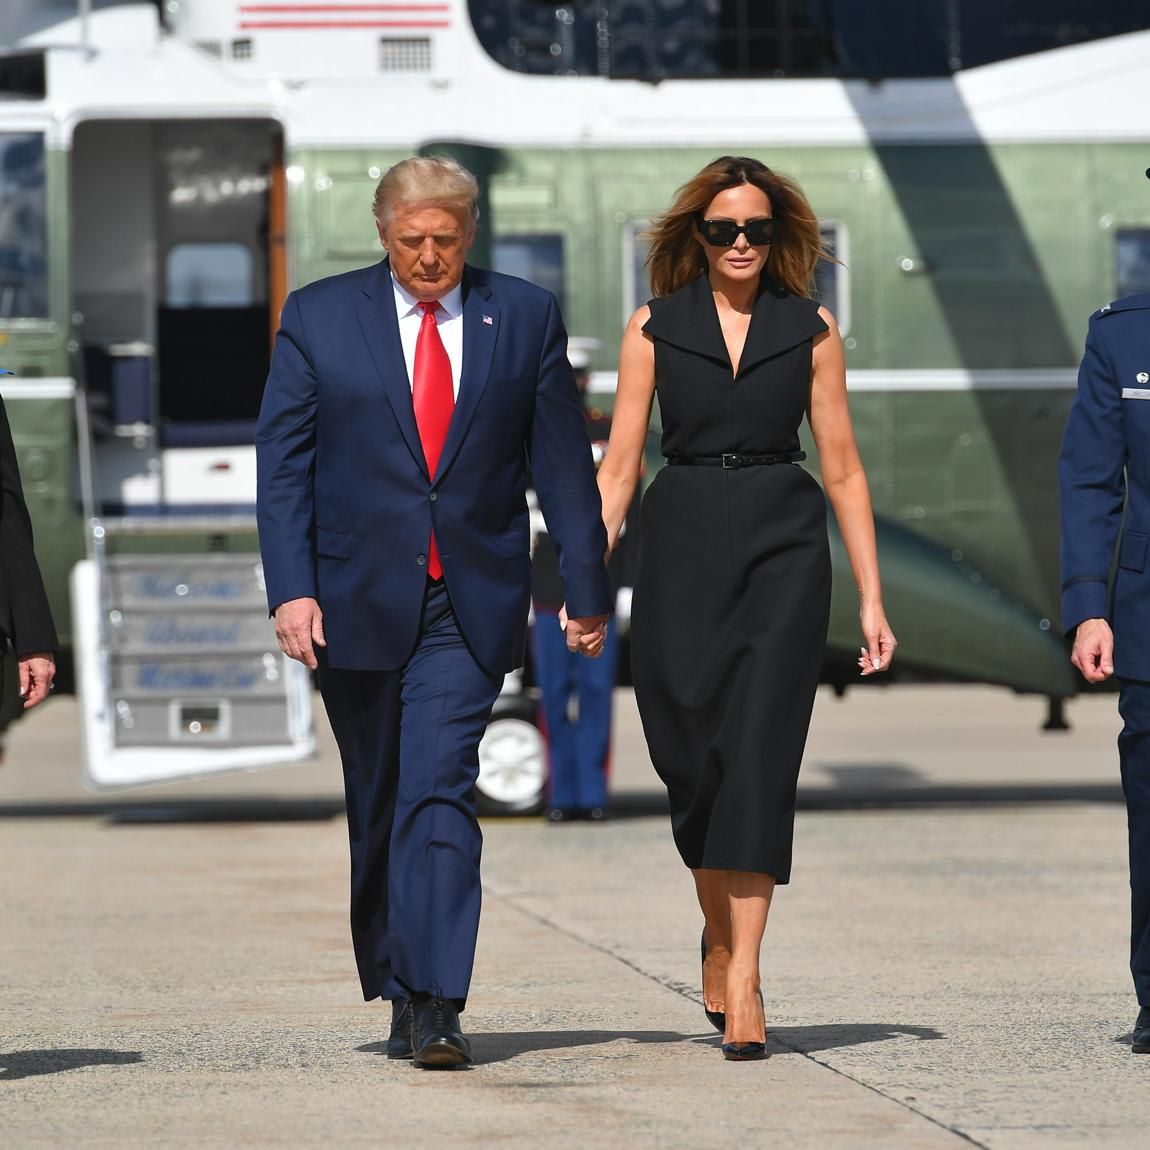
pixel 436 1037
pixel 399 1040
pixel 1140 1039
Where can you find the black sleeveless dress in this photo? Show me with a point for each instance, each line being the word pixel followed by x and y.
pixel 732 594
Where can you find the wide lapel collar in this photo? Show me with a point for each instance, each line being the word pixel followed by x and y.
pixel 779 322
pixel 480 330
pixel 688 319
pixel 380 323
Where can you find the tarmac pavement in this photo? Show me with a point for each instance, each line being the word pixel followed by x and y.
pixel 943 971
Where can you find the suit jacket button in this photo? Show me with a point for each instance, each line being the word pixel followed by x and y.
pixel 433 496
pixel 421 560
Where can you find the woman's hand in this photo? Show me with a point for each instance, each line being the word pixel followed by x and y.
pixel 880 640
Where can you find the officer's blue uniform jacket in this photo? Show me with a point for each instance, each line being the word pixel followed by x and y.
pixel 1104 466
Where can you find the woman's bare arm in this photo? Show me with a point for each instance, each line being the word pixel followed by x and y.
pixel 620 469
pixel 846 486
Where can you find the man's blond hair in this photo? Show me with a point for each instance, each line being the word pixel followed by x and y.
pixel 426 180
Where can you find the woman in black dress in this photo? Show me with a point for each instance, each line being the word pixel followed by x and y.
pixel 732 594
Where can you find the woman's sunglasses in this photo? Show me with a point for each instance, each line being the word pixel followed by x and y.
pixel 723 233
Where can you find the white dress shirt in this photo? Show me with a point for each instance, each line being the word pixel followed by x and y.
pixel 449 317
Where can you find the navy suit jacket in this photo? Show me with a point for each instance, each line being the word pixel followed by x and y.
pixel 345 503
pixel 1104 466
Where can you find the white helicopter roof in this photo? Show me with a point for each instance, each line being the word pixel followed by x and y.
pixel 374 74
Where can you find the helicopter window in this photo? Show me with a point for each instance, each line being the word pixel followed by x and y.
pixel 831 277
pixel 1133 261
pixel 209 275
pixel 23 227
pixel 538 258
pixel 655 40
pixel 636 282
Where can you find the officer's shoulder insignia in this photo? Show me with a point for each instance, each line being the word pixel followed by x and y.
pixel 1139 302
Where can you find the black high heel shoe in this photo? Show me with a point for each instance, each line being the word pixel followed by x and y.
pixel 747 1051
pixel 716 1018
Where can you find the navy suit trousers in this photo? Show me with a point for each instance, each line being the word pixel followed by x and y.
pixel 409 741
pixel 1134 754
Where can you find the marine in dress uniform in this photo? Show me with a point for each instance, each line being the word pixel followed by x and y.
pixel 579 744
pixel 1104 467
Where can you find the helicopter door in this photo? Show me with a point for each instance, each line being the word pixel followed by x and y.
pixel 178 254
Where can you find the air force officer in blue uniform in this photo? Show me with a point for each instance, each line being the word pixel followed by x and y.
pixel 404 405
pixel 1104 467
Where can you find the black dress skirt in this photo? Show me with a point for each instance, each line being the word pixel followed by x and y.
pixel 732 594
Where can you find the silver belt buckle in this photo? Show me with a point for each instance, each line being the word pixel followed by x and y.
pixel 730 460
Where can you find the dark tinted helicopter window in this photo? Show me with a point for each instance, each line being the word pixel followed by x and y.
pixel 938 37
pixel 827 272
pixel 665 39
pixel 538 258
pixel 1133 261
pixel 22 77
pixel 23 227
pixel 655 39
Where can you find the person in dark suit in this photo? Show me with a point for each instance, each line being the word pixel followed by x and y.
pixel 25 617
pixel 1104 467
pixel 404 405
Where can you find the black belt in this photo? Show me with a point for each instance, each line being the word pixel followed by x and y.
pixel 731 460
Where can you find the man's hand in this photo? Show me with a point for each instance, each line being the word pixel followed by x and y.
pixel 299 629
pixel 36 674
pixel 585 635
pixel 1093 652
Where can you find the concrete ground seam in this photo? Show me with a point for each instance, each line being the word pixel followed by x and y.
pixel 691 995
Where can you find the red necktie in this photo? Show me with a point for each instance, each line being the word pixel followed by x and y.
pixel 433 395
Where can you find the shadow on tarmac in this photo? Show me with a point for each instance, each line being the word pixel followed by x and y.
pixel 886 788
pixel 255 809
pixel 30 1063
pixel 811 1039
pixel 890 786
pixel 502 1046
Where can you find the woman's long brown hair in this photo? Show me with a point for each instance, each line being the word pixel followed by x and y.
pixel 676 258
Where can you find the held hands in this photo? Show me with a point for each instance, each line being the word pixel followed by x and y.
pixel 1093 652
pixel 299 630
pixel 880 641
pixel 36 674
pixel 585 635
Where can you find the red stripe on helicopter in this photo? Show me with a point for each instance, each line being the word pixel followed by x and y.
pixel 248 24
pixel 312 16
pixel 297 9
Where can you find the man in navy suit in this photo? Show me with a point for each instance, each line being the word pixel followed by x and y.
pixel 404 405
pixel 1105 466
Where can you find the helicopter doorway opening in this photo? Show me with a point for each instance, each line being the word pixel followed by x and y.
pixel 178 276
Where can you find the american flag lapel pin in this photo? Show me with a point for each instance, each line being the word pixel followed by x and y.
pixel 488 320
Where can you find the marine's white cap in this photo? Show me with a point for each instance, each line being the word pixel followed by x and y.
pixel 580 349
